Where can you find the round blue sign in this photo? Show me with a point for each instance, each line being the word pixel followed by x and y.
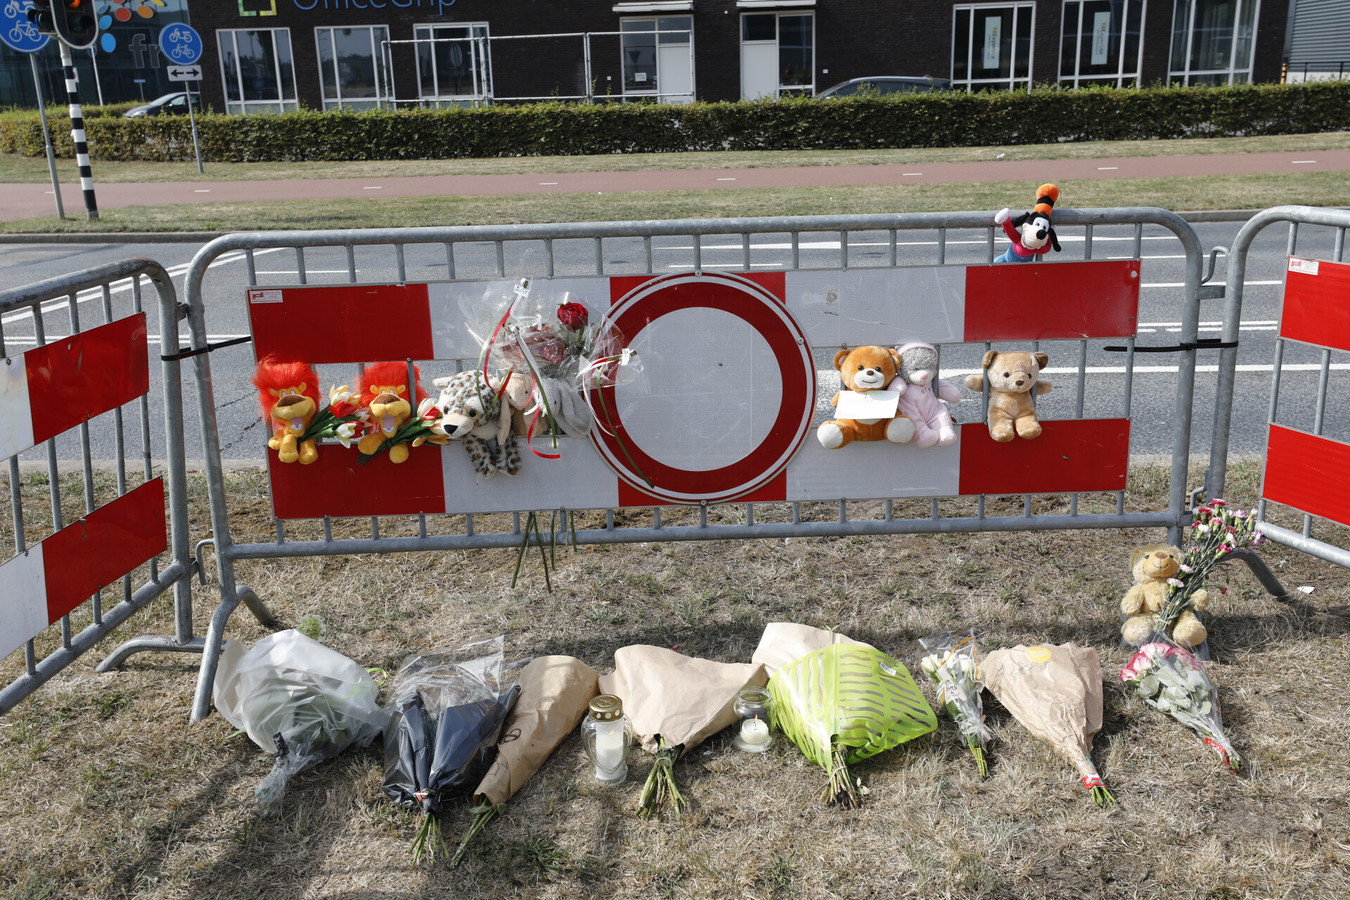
pixel 16 31
pixel 181 44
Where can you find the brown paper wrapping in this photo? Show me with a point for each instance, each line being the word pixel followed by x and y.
pixel 1054 691
pixel 555 693
pixel 682 698
pixel 785 642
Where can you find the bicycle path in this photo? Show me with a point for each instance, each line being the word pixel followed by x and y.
pixel 21 201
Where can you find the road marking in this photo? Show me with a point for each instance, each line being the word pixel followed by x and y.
pixel 548 184
pixel 1107 168
pixel 1302 162
pixel 726 179
pixel 370 187
pixel 910 174
pixel 202 191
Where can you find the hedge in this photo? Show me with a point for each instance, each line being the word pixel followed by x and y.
pixel 1044 115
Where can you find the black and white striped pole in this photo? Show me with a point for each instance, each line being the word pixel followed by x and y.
pixel 77 132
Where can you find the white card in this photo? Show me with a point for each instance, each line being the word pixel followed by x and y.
pixel 867 404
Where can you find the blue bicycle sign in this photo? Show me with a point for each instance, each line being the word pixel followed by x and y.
pixel 16 30
pixel 180 44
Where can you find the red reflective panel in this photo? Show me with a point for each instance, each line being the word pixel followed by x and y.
pixel 1308 473
pixel 99 549
pixel 1069 455
pixel 1045 301
pixel 1317 303
pixel 348 323
pixel 337 485
pixel 75 379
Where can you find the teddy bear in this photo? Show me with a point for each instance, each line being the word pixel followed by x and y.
pixel 922 395
pixel 1030 232
pixel 1014 379
pixel 288 393
pixel 1152 566
pixel 486 416
pixel 869 368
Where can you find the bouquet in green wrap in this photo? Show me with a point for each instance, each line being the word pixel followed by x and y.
pixel 844 703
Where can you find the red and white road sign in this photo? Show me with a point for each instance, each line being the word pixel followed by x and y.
pixel 723 408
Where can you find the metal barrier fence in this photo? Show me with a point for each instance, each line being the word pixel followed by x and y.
pixel 775 296
pixel 81 389
pixel 1308 437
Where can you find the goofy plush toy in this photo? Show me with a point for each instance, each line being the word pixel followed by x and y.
pixel 1030 232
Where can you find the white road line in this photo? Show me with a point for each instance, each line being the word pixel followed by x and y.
pixel 547 183
pixel 726 179
pixel 372 187
pixel 1107 168
pixel 1302 162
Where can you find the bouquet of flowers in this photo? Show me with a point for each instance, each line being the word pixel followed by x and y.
pixel 1056 693
pixel 448 707
pixel 1215 534
pixel 674 702
pixel 554 693
pixel 950 663
pixel 1172 680
pixel 299 699
pixel 844 703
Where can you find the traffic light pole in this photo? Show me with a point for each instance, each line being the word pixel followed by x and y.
pixel 46 136
pixel 77 132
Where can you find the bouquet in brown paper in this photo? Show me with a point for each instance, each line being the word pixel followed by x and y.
pixel 554 692
pixel 1056 693
pixel 674 703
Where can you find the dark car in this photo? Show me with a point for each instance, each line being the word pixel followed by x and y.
pixel 887 84
pixel 169 104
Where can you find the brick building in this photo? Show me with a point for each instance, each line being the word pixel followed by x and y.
pixel 273 55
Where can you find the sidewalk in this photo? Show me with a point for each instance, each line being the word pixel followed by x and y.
pixel 21 201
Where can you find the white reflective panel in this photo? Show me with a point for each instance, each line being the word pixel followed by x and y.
pixel 849 307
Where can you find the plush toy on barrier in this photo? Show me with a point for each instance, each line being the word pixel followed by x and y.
pixel 1031 233
pixel 922 394
pixel 487 417
pixel 385 393
pixel 1152 566
pixel 288 393
pixel 1014 382
pixel 866 370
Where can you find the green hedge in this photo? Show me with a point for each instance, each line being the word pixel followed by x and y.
pixel 1045 115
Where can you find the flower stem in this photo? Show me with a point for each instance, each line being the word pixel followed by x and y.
pixel 660 787
pixel 481 816
pixel 842 788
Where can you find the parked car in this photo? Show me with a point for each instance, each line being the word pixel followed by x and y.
pixel 169 104
pixel 887 84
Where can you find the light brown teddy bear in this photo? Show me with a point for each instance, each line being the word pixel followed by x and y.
pixel 863 369
pixel 1152 566
pixel 1014 379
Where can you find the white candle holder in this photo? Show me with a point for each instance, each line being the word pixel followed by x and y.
pixel 753 705
pixel 607 734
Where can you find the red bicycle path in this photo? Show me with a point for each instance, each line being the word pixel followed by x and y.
pixel 22 201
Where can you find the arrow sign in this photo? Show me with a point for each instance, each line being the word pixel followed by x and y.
pixel 184 73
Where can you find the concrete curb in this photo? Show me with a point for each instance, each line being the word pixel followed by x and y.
pixel 202 237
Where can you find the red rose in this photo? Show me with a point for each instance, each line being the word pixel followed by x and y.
pixel 573 316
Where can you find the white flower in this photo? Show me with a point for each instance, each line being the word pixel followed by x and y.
pixel 345 432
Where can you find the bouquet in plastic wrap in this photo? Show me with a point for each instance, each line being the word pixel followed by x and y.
pixel 1056 693
pixel 299 699
pixel 448 707
pixel 567 353
pixel 841 703
pixel 674 702
pixel 950 663
pixel 554 693
pixel 1173 680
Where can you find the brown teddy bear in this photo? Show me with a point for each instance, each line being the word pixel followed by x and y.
pixel 1152 566
pixel 1014 379
pixel 864 369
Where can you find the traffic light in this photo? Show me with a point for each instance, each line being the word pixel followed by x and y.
pixel 41 15
pixel 76 23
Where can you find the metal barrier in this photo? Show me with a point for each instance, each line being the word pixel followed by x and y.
pixel 78 388
pixel 791 290
pixel 1308 437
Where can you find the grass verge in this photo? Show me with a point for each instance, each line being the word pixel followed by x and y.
pixel 107 792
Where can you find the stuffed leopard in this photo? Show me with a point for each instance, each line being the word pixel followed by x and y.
pixel 481 415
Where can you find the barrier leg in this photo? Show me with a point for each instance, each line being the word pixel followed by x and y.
pixel 146 643
pixel 215 639
pixel 1263 574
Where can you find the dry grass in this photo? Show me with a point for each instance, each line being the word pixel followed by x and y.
pixel 107 792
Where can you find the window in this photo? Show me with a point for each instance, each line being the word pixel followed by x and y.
pixel 1101 42
pixel 257 71
pixel 454 66
pixel 352 66
pixel 991 46
pixel 777 54
pixel 1212 41
pixel 658 57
